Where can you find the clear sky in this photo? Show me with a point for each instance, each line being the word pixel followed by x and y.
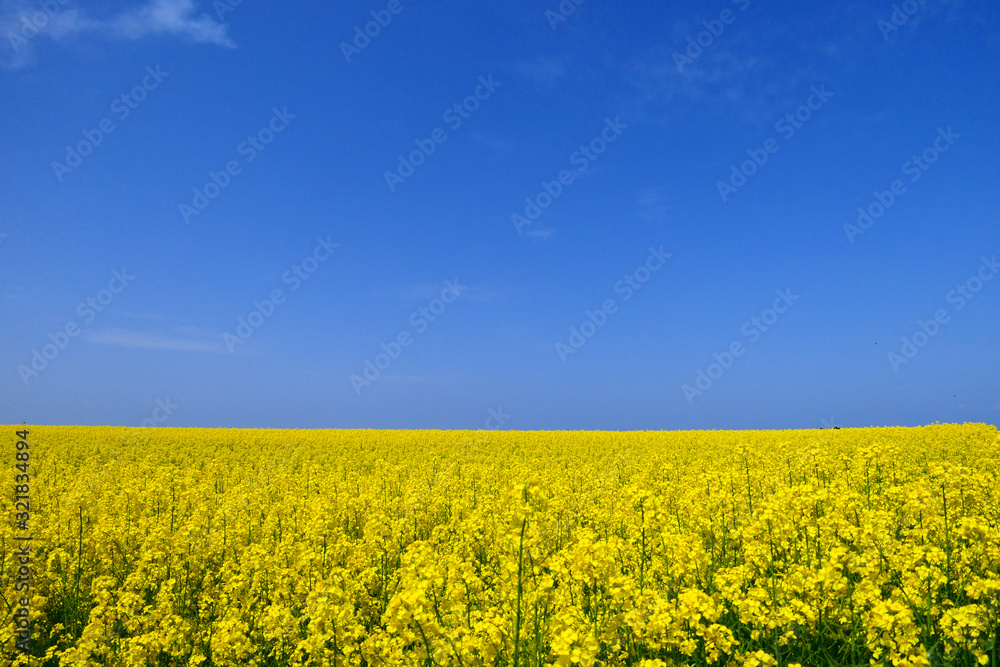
pixel 526 215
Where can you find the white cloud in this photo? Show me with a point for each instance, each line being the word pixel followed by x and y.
pixel 421 293
pixel 174 17
pixel 27 22
pixel 545 71
pixel 721 78
pixel 654 203
pixel 152 341
pixel 496 143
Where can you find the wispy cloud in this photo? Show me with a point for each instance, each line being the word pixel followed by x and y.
pixel 654 203
pixel 156 317
pixel 545 71
pixel 22 22
pixel 193 341
pixel 174 17
pixel 540 233
pixel 935 11
pixel 498 144
pixel 420 293
pixel 406 379
pixel 721 82
pixel 879 117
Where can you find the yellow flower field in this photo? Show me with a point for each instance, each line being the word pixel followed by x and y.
pixel 267 547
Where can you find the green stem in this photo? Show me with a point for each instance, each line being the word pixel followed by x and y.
pixel 520 590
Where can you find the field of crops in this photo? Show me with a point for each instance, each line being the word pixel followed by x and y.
pixel 244 547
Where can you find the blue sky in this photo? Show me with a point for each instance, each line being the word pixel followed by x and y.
pixel 517 215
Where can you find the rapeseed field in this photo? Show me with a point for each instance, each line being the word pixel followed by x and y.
pixel 166 547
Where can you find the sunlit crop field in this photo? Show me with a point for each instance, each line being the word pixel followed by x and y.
pixel 267 547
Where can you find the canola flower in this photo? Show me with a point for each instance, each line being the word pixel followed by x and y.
pixel 277 547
